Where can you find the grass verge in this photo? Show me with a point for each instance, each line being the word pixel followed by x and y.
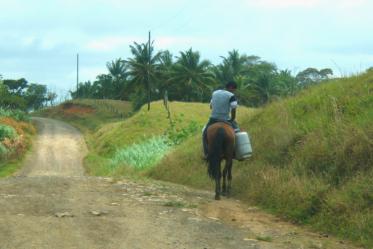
pixel 312 163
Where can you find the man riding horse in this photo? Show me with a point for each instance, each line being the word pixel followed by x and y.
pixel 223 103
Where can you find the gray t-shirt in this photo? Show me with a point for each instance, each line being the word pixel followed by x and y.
pixel 222 102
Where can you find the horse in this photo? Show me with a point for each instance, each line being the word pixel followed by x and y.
pixel 220 140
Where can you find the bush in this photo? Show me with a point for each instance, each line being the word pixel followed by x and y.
pixel 3 150
pixel 7 132
pixel 14 113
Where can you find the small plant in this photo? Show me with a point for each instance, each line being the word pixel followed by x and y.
pixel 178 135
pixel 3 150
pixel 7 132
pixel 176 204
pixel 16 114
pixel 264 238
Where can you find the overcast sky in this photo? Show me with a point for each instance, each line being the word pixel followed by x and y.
pixel 39 39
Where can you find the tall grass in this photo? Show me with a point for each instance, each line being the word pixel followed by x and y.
pixel 142 155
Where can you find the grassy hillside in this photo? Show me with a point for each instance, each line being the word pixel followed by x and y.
pixel 16 132
pixel 117 138
pixel 312 163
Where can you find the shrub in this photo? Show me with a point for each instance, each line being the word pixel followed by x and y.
pixel 7 132
pixel 3 150
pixel 14 113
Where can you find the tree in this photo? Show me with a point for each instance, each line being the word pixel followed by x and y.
pixel 143 68
pixel 35 96
pixel 16 86
pixel 234 67
pixel 51 96
pixel 262 85
pixel 191 77
pixel 118 69
pixel 165 66
pixel 287 83
pixel 312 76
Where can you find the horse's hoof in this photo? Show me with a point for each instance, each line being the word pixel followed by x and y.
pixel 217 197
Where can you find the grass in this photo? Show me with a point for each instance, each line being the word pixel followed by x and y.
pixel 312 161
pixel 15 140
pixel 143 155
pixel 175 204
pixel 264 238
pixel 132 141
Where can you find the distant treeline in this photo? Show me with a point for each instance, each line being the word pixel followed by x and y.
pixel 20 94
pixel 147 75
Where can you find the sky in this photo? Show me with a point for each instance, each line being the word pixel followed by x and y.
pixel 39 39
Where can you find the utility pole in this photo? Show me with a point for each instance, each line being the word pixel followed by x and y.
pixel 77 74
pixel 148 78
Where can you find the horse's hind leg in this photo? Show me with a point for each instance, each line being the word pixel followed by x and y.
pixel 225 171
pixel 228 166
pixel 217 186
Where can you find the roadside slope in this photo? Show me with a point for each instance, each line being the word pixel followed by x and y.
pixel 16 135
pixel 312 163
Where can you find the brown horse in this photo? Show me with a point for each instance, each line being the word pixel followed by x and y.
pixel 220 139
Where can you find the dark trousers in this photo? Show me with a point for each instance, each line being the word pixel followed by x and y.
pixel 213 121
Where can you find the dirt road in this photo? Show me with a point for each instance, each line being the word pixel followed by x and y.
pixel 51 204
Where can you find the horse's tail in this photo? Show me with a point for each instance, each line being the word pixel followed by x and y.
pixel 214 155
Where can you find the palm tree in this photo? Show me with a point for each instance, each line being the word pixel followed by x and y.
pixel 165 66
pixel 143 68
pixel 234 66
pixel 262 84
pixel 192 77
pixel 118 69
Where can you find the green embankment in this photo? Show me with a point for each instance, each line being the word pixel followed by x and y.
pixel 312 163
pixel 16 132
pixel 120 137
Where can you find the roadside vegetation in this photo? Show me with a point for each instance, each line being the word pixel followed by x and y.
pixel 16 132
pixel 17 99
pixel 136 144
pixel 312 163
pixel 149 75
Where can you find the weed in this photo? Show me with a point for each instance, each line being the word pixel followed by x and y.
pixel 176 204
pixel 264 238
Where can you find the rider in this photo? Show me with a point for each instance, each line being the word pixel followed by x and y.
pixel 223 103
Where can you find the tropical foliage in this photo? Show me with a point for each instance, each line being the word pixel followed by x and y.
pixel 20 94
pixel 148 75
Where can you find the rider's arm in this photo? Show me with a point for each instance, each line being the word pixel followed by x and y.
pixel 233 104
pixel 233 114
